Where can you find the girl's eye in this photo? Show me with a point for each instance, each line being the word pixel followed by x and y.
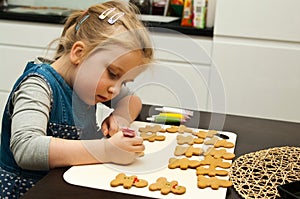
pixel 112 74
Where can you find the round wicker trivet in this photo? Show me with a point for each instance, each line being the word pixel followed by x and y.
pixel 257 174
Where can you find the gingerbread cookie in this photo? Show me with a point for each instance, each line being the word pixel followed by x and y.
pixel 166 187
pixel 151 137
pixel 211 171
pixel 223 143
pixel 211 133
pixel 182 163
pixel 128 181
pixel 211 141
pixel 188 140
pixel 172 129
pixel 183 129
pixel 204 134
pixel 153 129
pixel 222 153
pixel 213 182
pixel 200 134
pixel 214 162
pixel 187 151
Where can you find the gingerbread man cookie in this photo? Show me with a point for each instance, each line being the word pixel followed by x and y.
pixel 223 143
pixel 211 171
pixel 211 141
pixel 172 129
pixel 151 137
pixel 204 134
pixel 222 153
pixel 182 163
pixel 183 129
pixel 214 162
pixel 200 134
pixel 211 133
pixel 128 181
pixel 167 187
pixel 187 151
pixel 153 129
pixel 188 140
pixel 213 182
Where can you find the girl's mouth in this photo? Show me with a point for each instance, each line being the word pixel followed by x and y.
pixel 101 98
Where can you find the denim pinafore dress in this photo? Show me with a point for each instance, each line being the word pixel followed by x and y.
pixel 70 118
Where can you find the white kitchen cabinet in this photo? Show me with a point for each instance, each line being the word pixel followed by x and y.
pixel 259 80
pixel 179 77
pixel 21 42
pixel 173 84
pixel 258 19
pixel 28 34
pixel 177 47
pixel 256 51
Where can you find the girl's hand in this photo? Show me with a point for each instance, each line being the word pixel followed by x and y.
pixel 117 149
pixel 112 124
pixel 129 144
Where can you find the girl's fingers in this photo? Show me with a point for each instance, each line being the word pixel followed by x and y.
pixel 134 141
pixel 138 148
pixel 104 129
pixel 137 144
pixel 113 130
pixel 138 141
pixel 130 144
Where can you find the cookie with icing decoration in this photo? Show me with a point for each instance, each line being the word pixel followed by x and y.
pixel 166 187
pixel 128 181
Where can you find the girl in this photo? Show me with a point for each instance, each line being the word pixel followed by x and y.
pixel 49 119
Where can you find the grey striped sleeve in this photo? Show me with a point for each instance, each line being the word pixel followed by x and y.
pixel 29 142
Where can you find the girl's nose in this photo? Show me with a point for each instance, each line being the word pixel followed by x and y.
pixel 113 89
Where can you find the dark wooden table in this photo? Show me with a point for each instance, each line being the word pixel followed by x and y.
pixel 253 134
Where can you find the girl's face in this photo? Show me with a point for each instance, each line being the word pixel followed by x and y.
pixel 99 78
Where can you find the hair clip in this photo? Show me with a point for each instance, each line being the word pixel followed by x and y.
pixel 81 21
pixel 115 18
pixel 106 13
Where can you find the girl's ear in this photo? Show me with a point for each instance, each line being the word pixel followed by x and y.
pixel 77 52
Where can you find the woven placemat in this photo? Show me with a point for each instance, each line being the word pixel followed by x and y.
pixel 257 174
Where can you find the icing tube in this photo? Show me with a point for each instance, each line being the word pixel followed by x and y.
pixel 176 115
pixel 175 110
pixel 164 119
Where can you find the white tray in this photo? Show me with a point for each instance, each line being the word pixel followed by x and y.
pixel 152 165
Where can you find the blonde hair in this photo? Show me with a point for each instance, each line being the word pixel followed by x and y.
pixel 86 26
